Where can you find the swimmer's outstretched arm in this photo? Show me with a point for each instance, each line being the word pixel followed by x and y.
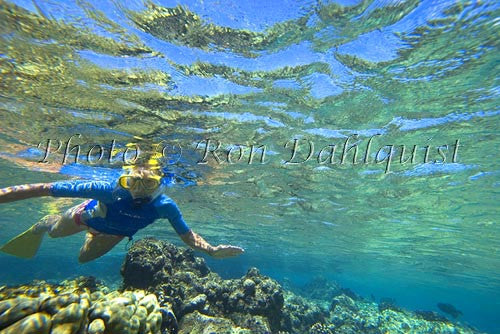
pixel 17 193
pixel 168 209
pixel 100 190
pixel 195 241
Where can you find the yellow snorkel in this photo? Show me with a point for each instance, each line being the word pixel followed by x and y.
pixel 142 179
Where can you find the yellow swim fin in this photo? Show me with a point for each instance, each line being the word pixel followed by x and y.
pixel 24 245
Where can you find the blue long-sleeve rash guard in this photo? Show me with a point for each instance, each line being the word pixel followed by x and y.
pixel 122 217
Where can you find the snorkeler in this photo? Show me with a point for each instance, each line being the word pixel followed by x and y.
pixel 112 211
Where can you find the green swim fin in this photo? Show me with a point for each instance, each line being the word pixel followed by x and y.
pixel 24 245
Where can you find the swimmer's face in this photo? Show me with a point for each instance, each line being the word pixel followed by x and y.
pixel 140 183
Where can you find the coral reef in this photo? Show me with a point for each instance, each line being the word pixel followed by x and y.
pixel 205 303
pixel 79 306
pixel 319 288
pixel 168 290
pixel 184 283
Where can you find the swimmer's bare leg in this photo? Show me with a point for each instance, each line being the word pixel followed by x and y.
pixel 59 225
pixel 96 245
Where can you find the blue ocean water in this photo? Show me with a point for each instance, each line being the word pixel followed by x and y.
pixel 310 105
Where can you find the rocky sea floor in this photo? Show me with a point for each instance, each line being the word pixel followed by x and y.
pixel 167 289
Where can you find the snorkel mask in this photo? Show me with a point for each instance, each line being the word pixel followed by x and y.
pixel 142 180
pixel 148 183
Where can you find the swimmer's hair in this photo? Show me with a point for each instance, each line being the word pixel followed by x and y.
pixel 136 168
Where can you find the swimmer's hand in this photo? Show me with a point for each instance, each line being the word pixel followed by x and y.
pixel 195 241
pixel 223 251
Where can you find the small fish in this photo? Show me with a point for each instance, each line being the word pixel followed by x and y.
pixel 449 309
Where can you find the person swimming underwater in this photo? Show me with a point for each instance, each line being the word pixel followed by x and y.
pixel 112 211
